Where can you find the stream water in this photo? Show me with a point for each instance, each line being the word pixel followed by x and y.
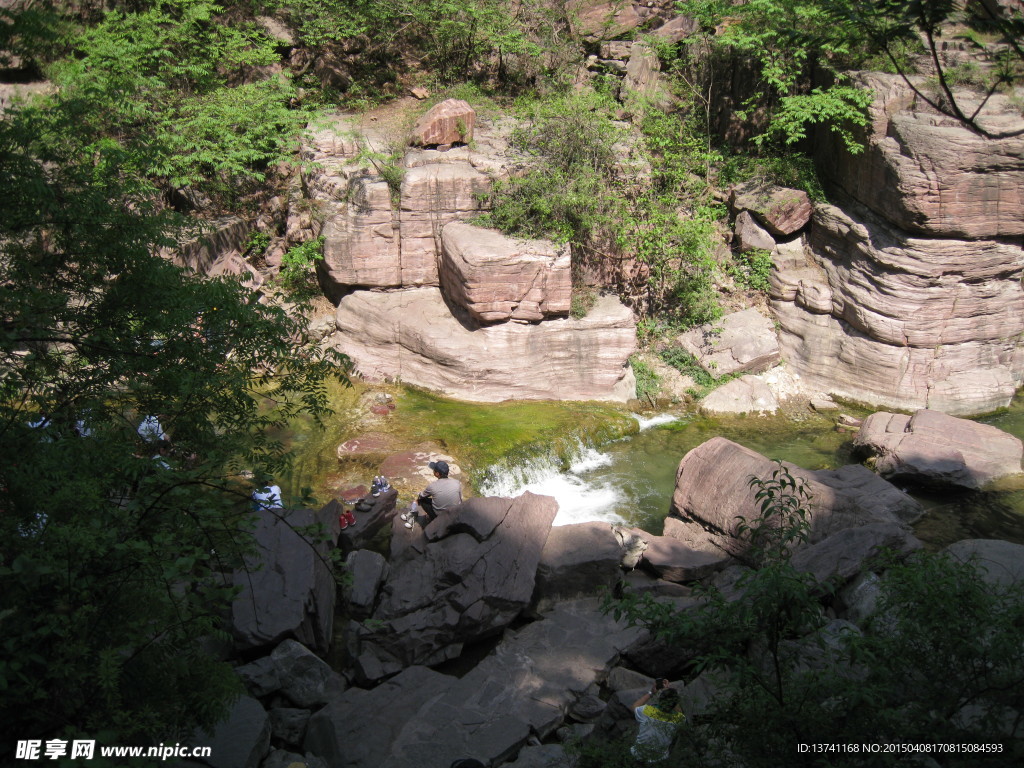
pixel 631 479
pixel 577 453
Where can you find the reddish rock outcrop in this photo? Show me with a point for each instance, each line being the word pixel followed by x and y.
pixel 869 312
pixel 927 173
pixel 411 335
pixel 498 278
pixel 740 342
pixel 780 210
pixel 938 449
pixel 450 122
pixel 712 489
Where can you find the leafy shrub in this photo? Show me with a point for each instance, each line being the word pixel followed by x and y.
pixel 647 381
pixel 752 269
pixel 298 266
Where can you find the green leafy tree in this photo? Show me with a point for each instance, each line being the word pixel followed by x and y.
pixel 176 84
pixel 790 41
pixel 940 662
pixel 116 553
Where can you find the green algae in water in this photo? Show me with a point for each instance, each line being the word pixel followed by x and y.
pixel 482 434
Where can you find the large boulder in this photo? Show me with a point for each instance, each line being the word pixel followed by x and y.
pixel 411 335
pixel 241 740
pixel 845 553
pixel 498 278
pixel 747 394
pixel 523 689
pixel 740 342
pixel 306 679
pixel 781 211
pixel 1000 563
pixel 603 19
pixel 447 123
pixel 381 219
pixel 713 489
pixel 286 589
pixel 431 196
pixel 871 313
pixel 578 560
pixel 367 571
pixel 466 576
pixel 929 174
pixel 750 235
pixel 676 561
pixel 357 728
pixel 937 449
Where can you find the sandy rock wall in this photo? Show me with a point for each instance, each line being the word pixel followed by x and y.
pixel 908 293
pixel 413 336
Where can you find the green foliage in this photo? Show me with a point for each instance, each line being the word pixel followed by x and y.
pixel 583 300
pixel 789 41
pixel 648 383
pixel 940 662
pixel 605 192
pixel 687 364
pixel 791 169
pixel 161 82
pixel 298 267
pixel 453 39
pixel 752 269
pixel 115 566
pixel 783 519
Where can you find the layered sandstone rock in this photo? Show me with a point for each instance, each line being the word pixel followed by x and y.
pixel 927 173
pixel 871 313
pixel 713 491
pixel 498 278
pixel 432 196
pixel 449 122
pixel 740 342
pixel 747 394
pixel 381 216
pixel 780 210
pixel 412 335
pixel 938 449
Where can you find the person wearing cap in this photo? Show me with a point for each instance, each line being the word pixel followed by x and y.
pixel 441 495
pixel 659 714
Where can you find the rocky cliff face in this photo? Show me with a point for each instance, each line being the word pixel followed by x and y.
pixel 434 301
pixel 908 294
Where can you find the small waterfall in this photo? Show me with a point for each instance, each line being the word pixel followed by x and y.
pixel 580 498
pixel 646 422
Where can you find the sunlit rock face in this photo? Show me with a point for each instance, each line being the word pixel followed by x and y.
pixel 907 293
pixel 413 336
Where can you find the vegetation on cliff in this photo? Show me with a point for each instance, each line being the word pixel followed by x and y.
pixel 112 561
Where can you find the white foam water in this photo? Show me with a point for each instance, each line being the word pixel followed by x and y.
pixel 646 422
pixel 579 499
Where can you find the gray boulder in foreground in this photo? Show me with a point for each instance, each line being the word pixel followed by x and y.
pixel 466 576
pixel 1000 563
pixel 287 589
pixel 523 689
pixel 938 449
pixel 713 489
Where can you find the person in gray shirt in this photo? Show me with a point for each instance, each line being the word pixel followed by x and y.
pixel 441 495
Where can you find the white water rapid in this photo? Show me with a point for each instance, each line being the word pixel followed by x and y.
pixel 583 485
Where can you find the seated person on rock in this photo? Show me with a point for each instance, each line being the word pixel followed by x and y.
pixel 659 714
pixel 441 495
